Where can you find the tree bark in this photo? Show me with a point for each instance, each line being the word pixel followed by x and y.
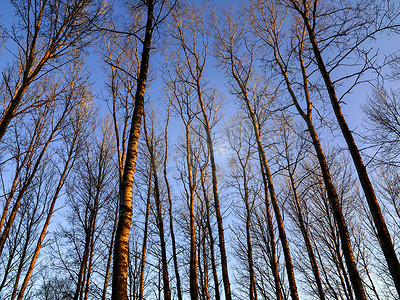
pixel 144 245
pixel 121 246
pixel 332 194
pixel 159 218
pixel 194 287
pixel 224 263
pixel 384 238
pixel 171 220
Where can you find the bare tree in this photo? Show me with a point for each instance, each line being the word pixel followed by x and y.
pixel 73 139
pixel 152 147
pixel 170 211
pixel 292 147
pixel 50 121
pixel 312 14
pixel 241 142
pixel 238 64
pixel 192 38
pixel 184 105
pixel 121 247
pixel 266 23
pixel 45 33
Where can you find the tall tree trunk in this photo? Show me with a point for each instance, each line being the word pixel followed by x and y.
pixel 159 218
pixel 194 288
pixel 271 234
pixel 205 263
pixel 331 191
pixel 144 246
pixel 91 249
pixel 221 237
pixel 121 246
pixel 109 258
pixel 171 220
pixel 211 238
pixel 385 240
pixel 252 287
pixel 202 284
pixel 83 267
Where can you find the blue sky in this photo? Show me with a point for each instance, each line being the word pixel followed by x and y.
pixel 353 102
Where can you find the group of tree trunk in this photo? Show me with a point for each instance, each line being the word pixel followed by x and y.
pixel 211 161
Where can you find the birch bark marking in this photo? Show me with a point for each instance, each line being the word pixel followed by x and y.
pixel 121 246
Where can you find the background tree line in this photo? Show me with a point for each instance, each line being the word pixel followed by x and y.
pixel 212 160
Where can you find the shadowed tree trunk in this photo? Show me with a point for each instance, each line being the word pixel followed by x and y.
pixel 383 234
pixel 145 234
pixel 171 219
pixel 194 287
pixel 273 40
pixel 183 102
pixel 210 235
pixel 159 218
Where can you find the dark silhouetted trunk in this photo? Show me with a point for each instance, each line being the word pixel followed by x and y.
pixel 159 218
pixel 331 191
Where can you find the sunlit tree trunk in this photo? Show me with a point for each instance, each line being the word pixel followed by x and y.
pixel 121 246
